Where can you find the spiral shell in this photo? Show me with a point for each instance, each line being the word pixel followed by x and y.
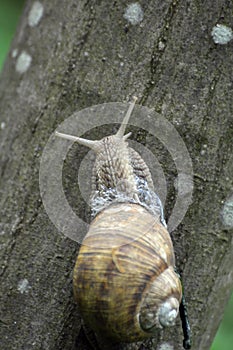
pixel 124 281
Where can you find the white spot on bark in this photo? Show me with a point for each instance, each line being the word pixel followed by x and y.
pixel 35 14
pixel 165 346
pixel 227 213
pixel 3 125
pixel 23 62
pixel 23 286
pixel 14 53
pixel 203 152
pixel 161 45
pixel 134 13
pixel 221 34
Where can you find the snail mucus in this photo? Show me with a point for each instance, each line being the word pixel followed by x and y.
pixel 125 282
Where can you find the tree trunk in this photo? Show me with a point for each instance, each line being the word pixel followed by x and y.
pixel 67 56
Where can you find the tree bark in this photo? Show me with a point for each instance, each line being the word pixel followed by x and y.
pixel 85 53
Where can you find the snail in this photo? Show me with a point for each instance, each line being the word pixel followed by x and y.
pixel 124 279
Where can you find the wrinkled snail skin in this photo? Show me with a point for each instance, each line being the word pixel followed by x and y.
pixel 124 279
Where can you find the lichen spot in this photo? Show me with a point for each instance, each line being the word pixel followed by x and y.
pixel 14 53
pixel 3 125
pixel 23 286
pixel 227 212
pixel 221 34
pixel 35 14
pixel 23 62
pixel 165 346
pixel 134 13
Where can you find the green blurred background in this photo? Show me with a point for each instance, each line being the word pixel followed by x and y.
pixel 10 11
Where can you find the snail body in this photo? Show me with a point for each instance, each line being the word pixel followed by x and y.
pixel 124 279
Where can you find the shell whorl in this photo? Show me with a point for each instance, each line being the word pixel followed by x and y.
pixel 160 306
pixel 168 312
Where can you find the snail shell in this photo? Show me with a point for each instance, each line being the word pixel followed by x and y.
pixel 126 287
pixel 124 279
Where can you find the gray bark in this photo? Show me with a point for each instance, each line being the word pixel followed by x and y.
pixel 85 53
